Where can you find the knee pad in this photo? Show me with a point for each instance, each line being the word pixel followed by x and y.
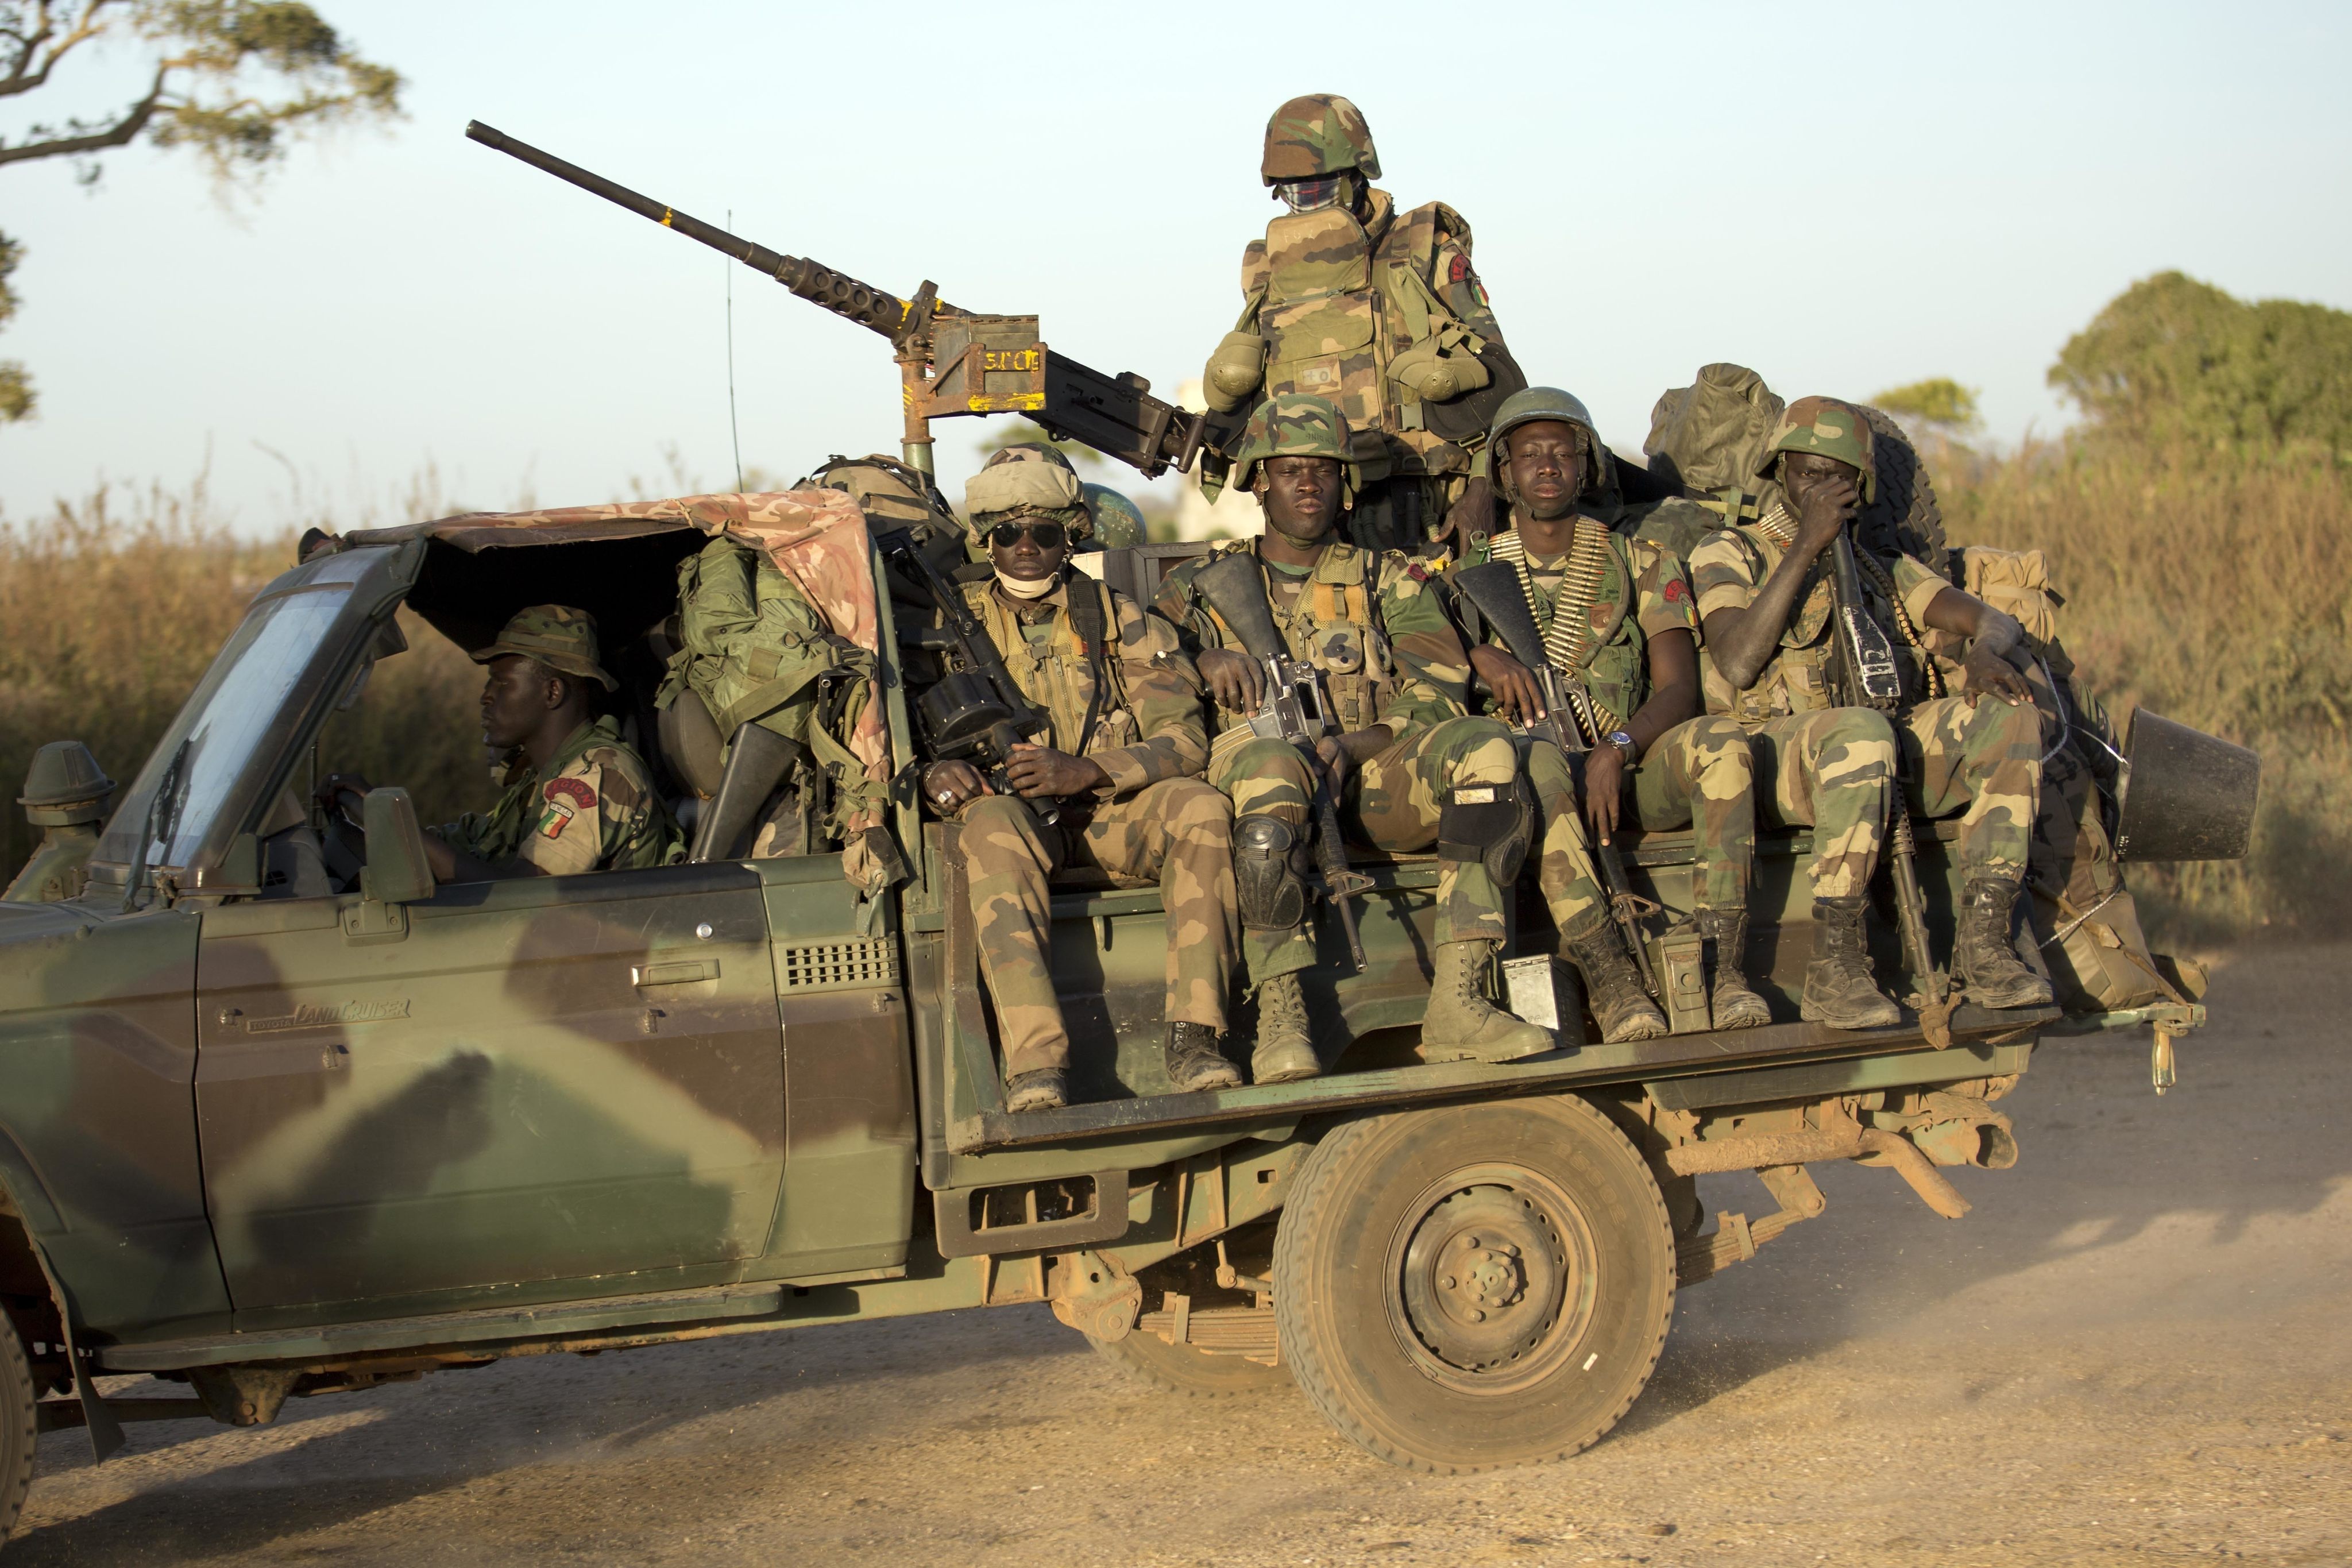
pixel 1268 876
pixel 1491 824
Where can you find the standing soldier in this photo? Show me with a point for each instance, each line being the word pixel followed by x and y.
pixel 1766 599
pixel 1617 620
pixel 1409 768
pixel 1121 768
pixel 1378 312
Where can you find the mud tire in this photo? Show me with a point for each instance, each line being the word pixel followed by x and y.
pixel 1905 516
pixel 1180 1369
pixel 1389 1209
pixel 18 1435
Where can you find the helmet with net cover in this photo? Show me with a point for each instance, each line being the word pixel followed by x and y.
pixel 1318 134
pixel 1827 429
pixel 1538 404
pixel 1029 479
pixel 1119 523
pixel 1294 425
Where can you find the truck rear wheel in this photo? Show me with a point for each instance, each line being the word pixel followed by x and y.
pixel 18 1435
pixel 1478 1286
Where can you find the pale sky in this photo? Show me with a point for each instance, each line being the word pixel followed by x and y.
pixel 1845 198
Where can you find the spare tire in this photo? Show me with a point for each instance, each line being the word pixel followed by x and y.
pixel 1904 519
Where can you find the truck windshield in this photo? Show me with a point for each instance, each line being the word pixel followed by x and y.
pixel 206 752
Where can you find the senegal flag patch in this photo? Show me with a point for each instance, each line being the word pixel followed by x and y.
pixel 566 798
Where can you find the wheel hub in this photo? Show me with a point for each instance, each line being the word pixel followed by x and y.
pixel 1485 1274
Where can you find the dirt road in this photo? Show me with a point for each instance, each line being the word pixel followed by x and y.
pixel 2137 1350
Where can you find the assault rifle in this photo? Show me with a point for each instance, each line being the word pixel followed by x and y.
pixel 950 361
pixel 1867 676
pixel 1296 709
pixel 975 713
pixel 1495 591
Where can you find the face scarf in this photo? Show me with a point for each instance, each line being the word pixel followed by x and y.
pixel 1020 590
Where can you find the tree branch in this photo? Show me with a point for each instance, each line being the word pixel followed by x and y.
pixel 86 27
pixel 134 120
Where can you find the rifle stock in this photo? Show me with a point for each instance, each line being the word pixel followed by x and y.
pixel 1296 709
pixel 1493 588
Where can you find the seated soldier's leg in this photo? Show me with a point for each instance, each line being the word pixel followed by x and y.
pixel 1180 831
pixel 1008 861
pixel 1270 787
pixel 1456 785
pixel 1589 937
pixel 1834 769
pixel 1987 754
pixel 1701 775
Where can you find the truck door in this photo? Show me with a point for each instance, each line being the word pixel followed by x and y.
pixel 523 1083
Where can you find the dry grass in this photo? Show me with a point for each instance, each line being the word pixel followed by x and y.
pixel 2219 596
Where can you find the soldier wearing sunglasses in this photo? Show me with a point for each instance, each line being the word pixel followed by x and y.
pixel 1123 763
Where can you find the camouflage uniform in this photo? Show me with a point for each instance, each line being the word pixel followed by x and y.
pixel 1380 314
pixel 594 806
pixel 1155 819
pixel 1697 775
pixel 1376 627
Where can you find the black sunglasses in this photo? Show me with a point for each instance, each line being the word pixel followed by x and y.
pixel 1048 535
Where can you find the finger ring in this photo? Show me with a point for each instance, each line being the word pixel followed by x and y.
pixel 945 796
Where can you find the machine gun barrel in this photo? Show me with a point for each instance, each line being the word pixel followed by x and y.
pixel 1295 709
pixel 1567 722
pixel 875 308
pixel 952 361
pixel 1867 676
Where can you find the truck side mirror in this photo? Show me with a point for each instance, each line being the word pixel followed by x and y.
pixel 397 871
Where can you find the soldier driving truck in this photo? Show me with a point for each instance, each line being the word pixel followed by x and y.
pixel 286 1116
pixel 1776 596
pixel 1586 641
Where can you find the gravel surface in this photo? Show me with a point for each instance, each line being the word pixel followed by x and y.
pixel 2136 1351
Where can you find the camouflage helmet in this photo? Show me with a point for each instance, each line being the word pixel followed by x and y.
pixel 1029 452
pixel 1294 425
pixel 1028 478
pixel 1536 405
pixel 557 636
pixel 1320 134
pixel 1827 429
pixel 1117 523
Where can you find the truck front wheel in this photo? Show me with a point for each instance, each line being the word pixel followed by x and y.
pixel 1477 1285
pixel 17 1435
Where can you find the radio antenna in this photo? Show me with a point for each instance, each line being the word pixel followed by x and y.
pixel 734 431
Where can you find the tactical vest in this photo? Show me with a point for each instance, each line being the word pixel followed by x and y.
pixel 1058 673
pixel 1806 667
pixel 1329 624
pixel 1338 301
pixel 1614 667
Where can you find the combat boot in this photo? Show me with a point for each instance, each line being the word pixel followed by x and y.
pixel 1461 1025
pixel 1195 1063
pixel 1839 991
pixel 1286 1041
pixel 1983 958
pixel 1733 1005
pixel 1040 1090
pixel 1612 988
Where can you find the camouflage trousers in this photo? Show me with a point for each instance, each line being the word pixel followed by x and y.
pixel 1390 801
pixel 1832 769
pixel 1697 775
pixel 1178 830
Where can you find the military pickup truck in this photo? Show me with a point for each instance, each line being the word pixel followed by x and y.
pixel 279 1117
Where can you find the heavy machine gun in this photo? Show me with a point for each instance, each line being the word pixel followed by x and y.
pixel 1494 590
pixel 1867 676
pixel 950 361
pixel 1295 707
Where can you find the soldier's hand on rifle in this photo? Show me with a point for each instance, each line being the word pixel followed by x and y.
pixel 1824 507
pixel 1516 691
pixel 1040 771
pixel 949 787
pixel 1604 789
pixel 1236 680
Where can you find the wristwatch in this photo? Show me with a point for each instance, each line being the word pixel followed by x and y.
pixel 1623 740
